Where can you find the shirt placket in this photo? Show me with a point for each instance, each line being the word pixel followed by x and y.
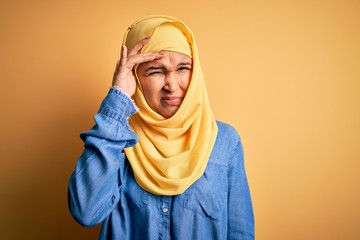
pixel 165 209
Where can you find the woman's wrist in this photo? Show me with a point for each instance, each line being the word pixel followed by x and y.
pixel 124 93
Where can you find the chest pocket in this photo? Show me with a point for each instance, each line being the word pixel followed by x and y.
pixel 207 196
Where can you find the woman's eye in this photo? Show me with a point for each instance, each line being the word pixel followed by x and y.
pixel 184 69
pixel 155 73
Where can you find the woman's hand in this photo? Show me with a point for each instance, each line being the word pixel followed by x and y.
pixel 124 77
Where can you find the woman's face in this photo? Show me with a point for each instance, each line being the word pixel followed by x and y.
pixel 165 81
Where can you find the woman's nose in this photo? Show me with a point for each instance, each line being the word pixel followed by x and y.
pixel 171 83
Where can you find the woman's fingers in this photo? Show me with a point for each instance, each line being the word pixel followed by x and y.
pixel 129 58
pixel 142 57
pixel 138 46
pixel 123 55
pixel 124 77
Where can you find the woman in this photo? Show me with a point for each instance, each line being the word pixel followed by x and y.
pixel 167 169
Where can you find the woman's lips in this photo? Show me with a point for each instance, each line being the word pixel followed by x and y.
pixel 173 101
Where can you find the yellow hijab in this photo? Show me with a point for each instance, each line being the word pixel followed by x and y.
pixel 172 153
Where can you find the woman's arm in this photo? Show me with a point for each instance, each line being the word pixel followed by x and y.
pixel 241 217
pixel 94 185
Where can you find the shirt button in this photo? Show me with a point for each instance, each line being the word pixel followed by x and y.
pixel 165 209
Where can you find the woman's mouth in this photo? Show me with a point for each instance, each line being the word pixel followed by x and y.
pixel 173 101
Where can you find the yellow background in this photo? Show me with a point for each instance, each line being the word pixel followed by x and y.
pixel 286 74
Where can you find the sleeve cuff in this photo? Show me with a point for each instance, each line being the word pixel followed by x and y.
pixel 118 105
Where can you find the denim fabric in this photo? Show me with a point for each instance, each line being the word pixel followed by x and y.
pixel 102 188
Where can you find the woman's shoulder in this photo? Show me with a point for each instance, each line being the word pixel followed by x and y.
pixel 227 130
pixel 227 138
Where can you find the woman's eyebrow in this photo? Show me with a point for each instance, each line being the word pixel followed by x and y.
pixel 154 68
pixel 162 67
pixel 184 64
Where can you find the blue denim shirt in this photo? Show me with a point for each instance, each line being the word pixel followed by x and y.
pixel 102 188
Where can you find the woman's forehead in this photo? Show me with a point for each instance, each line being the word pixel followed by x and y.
pixel 170 58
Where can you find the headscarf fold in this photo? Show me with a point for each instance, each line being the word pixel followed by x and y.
pixel 172 153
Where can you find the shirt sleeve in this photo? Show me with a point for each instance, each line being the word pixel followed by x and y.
pixel 241 217
pixel 93 188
